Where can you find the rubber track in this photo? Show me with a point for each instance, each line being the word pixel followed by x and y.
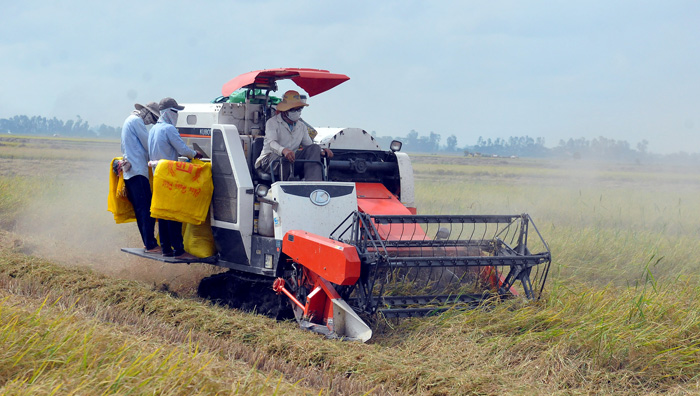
pixel 245 292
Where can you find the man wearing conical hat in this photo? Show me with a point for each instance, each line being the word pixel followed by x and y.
pixel 284 133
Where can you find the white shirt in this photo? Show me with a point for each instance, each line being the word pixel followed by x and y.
pixel 279 136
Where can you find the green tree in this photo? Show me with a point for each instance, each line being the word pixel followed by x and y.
pixel 451 143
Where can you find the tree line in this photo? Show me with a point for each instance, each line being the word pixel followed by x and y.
pixel 526 146
pixel 529 147
pixel 518 146
pixel 42 126
pixel 415 143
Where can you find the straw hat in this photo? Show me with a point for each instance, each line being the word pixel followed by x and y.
pixel 290 100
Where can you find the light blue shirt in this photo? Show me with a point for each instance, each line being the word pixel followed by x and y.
pixel 164 142
pixel 135 146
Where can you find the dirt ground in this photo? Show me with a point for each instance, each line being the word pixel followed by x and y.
pixel 68 221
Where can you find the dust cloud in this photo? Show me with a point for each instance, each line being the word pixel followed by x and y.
pixel 69 224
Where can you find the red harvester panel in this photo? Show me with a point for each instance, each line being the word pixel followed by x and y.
pixel 334 261
pixel 375 199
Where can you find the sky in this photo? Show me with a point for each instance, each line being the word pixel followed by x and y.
pixel 625 70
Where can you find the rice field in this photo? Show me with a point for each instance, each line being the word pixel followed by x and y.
pixel 51 347
pixel 604 222
pixel 619 316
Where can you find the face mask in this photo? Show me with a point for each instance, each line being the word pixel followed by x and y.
pixel 149 119
pixel 169 116
pixel 173 116
pixel 294 115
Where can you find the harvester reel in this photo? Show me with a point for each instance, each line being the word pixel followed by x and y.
pixel 422 265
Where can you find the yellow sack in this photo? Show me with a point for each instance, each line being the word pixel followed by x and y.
pixel 117 202
pixel 182 191
pixel 198 239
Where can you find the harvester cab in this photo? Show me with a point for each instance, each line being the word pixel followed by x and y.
pixel 340 252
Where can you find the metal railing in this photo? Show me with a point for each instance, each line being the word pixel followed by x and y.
pixel 415 265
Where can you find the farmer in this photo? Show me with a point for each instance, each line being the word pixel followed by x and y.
pixel 164 142
pixel 284 133
pixel 135 169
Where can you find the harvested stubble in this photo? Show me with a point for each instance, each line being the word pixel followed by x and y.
pixel 51 348
pixel 162 318
pixel 576 341
pixel 618 317
pixel 13 199
pixel 50 148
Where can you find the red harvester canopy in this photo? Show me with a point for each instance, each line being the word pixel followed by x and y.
pixel 313 81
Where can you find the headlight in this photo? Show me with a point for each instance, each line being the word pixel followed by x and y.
pixel 261 190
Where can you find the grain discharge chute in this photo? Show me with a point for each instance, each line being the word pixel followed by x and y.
pixel 338 253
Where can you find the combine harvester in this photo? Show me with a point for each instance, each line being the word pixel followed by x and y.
pixel 342 251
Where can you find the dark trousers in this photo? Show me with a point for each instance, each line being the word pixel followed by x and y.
pixel 312 170
pixel 170 233
pixel 138 190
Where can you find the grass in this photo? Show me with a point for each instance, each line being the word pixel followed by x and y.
pixel 160 319
pixel 619 314
pixel 598 231
pixel 578 339
pixel 543 172
pixel 16 190
pixel 55 148
pixel 60 139
pixel 50 347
